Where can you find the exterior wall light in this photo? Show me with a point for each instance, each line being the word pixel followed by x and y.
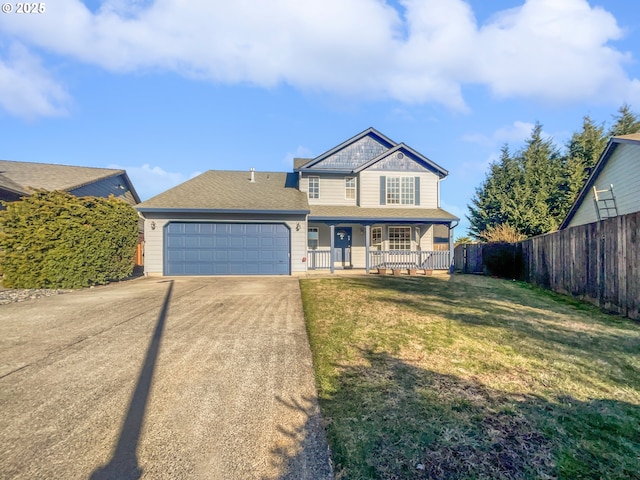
pixel 153 225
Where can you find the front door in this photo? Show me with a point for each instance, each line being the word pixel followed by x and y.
pixel 342 247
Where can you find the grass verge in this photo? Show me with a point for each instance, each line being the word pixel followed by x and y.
pixel 472 377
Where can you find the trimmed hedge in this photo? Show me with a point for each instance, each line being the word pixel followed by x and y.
pixel 56 240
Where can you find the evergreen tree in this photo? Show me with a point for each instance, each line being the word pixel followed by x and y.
pixel 532 191
pixel 487 207
pixel 626 122
pixel 544 184
pixel 583 151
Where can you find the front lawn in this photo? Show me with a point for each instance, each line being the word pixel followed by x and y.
pixel 472 377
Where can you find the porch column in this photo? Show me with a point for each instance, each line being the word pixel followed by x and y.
pixel 367 240
pixel 451 227
pixel 332 235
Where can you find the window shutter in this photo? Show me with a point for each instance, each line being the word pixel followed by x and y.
pixel 417 192
pixel 383 190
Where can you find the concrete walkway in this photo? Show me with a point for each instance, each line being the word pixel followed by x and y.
pixel 205 378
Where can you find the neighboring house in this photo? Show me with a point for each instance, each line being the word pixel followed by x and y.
pixel 366 203
pixel 613 188
pixel 20 179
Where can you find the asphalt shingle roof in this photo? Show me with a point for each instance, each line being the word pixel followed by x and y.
pixel 8 184
pixel 631 136
pixel 233 190
pixel 299 162
pixel 47 176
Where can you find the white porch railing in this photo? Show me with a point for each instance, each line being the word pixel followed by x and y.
pixel 401 259
pixel 319 259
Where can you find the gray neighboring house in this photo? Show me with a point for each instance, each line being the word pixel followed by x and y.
pixel 20 179
pixel 618 165
pixel 367 203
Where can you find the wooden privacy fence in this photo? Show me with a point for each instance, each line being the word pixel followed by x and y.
pixel 598 262
pixel 467 258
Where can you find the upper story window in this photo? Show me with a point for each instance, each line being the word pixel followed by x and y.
pixel 314 187
pixel 350 188
pixel 400 191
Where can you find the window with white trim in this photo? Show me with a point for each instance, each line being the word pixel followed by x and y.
pixel 400 191
pixel 312 238
pixel 399 238
pixel 376 237
pixel 314 187
pixel 350 188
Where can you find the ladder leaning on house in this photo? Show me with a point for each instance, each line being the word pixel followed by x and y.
pixel 605 202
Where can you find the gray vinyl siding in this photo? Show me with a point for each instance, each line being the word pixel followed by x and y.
pixel 115 186
pixel 154 238
pixel 370 188
pixel 623 171
pixel 332 190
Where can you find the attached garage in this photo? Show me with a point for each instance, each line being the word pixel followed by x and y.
pixel 227 223
pixel 208 248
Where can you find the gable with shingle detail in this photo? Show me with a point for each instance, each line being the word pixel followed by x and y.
pixel 403 158
pixel 351 154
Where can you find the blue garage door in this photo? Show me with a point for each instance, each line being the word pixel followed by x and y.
pixel 226 249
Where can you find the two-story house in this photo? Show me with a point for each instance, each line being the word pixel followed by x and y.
pixel 367 203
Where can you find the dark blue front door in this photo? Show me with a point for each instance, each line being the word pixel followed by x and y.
pixel 342 247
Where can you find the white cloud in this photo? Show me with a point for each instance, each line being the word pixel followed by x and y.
pixel 553 50
pixel 300 152
pixel 151 180
pixel 517 132
pixel 26 88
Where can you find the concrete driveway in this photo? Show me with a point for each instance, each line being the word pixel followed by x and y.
pixel 160 378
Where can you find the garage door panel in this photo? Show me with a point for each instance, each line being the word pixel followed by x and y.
pixel 220 241
pixel 191 241
pixel 251 242
pixel 236 241
pixel 205 241
pixel 252 255
pixel 226 249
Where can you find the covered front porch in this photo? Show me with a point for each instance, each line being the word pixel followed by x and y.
pixel 395 246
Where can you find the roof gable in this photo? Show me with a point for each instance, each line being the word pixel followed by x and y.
pixel 403 158
pixel 10 186
pixel 48 176
pixel 23 178
pixel 351 154
pixel 607 154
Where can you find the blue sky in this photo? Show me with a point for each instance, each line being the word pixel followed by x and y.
pixel 167 89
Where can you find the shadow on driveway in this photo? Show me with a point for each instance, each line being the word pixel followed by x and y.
pixel 124 462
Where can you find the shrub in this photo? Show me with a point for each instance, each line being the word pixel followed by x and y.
pixel 56 240
pixel 503 259
pixel 502 233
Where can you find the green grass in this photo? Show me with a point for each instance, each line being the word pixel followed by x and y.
pixel 472 377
